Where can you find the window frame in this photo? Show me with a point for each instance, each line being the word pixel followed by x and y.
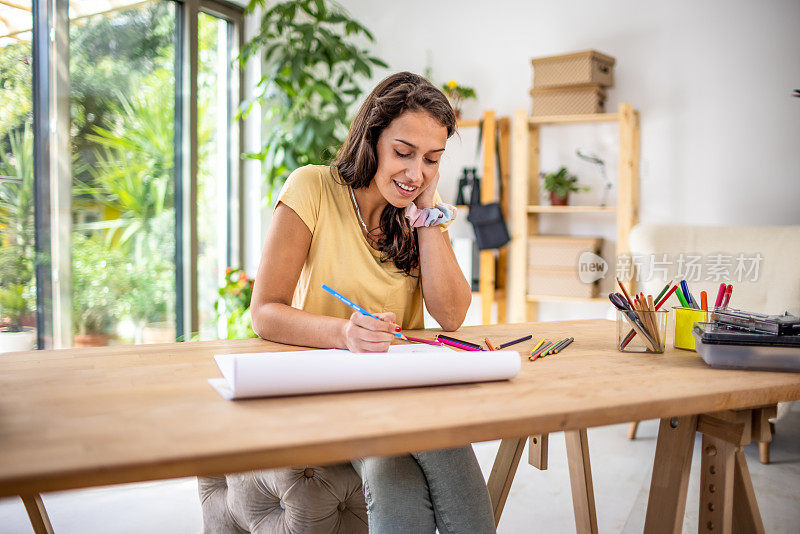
pixel 52 164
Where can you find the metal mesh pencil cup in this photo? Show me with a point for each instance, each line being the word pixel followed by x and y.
pixel 642 331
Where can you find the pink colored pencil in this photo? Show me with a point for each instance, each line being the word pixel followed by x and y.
pixel 457 345
pixel 426 341
pixel 720 295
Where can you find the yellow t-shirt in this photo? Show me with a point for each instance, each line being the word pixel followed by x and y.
pixel 341 257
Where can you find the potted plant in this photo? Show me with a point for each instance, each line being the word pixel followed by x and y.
pixel 314 68
pixel 560 184
pixel 233 305
pixel 95 290
pixel 16 298
pixel 17 287
pixel 457 94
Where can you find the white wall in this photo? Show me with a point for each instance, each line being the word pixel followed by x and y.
pixel 720 131
pixel 712 79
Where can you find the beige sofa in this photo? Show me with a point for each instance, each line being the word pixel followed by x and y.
pixel 662 252
pixel 776 287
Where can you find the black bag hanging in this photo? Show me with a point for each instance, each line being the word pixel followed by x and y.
pixel 487 220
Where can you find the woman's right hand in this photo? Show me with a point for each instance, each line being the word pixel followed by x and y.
pixel 365 334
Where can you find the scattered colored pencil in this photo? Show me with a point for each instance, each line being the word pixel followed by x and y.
pixel 489 343
pixel 426 341
pixel 468 343
pixel 514 342
pixel 356 307
pixel 540 351
pixel 458 345
pixel 538 344
pixel 563 345
pixel 555 346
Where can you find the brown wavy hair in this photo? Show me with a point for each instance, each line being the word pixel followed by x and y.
pixel 357 159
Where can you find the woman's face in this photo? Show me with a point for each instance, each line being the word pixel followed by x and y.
pixel 409 150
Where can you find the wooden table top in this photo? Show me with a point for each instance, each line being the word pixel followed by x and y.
pixel 86 417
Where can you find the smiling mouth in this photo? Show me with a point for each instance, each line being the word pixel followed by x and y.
pixel 405 188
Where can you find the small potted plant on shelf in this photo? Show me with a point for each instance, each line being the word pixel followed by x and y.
pixel 457 94
pixel 560 184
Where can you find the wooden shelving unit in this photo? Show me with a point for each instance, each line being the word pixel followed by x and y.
pixel 493 264
pixel 524 216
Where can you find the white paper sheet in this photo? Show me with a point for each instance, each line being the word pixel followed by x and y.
pixel 271 374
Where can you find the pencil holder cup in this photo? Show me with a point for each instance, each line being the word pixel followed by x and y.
pixel 684 321
pixel 642 331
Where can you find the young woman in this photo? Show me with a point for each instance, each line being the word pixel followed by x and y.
pixel 370 226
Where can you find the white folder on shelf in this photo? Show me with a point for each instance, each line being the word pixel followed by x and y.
pixel 272 374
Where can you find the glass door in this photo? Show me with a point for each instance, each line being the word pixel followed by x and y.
pixel 122 73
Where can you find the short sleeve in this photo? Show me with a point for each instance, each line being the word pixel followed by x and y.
pixel 302 192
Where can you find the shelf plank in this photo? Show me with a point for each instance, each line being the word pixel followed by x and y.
pixel 574 119
pixel 467 123
pixel 558 298
pixel 571 209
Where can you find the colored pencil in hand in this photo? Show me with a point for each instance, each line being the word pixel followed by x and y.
pixel 357 307
pixel 426 341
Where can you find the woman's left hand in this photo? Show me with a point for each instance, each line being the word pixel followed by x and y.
pixel 425 199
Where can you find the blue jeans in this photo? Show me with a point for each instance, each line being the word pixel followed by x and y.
pixel 425 491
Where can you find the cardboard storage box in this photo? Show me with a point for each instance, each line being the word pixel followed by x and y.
pixel 573 100
pixel 559 283
pixel 560 252
pixel 578 68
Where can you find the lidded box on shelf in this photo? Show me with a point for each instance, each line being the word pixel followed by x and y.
pixel 572 100
pixel 577 68
pixel 553 263
pixel 560 251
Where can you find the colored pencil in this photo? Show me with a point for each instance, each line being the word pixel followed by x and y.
pixel 668 295
pixel 704 300
pixel 554 347
pixel 540 351
pixel 489 343
pixel 661 294
pixel 720 295
pixel 625 292
pixel 538 344
pixel 514 342
pixel 426 341
pixel 564 345
pixel 682 298
pixel 727 298
pixel 355 306
pixel 458 345
pixel 468 343
pixel 632 332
